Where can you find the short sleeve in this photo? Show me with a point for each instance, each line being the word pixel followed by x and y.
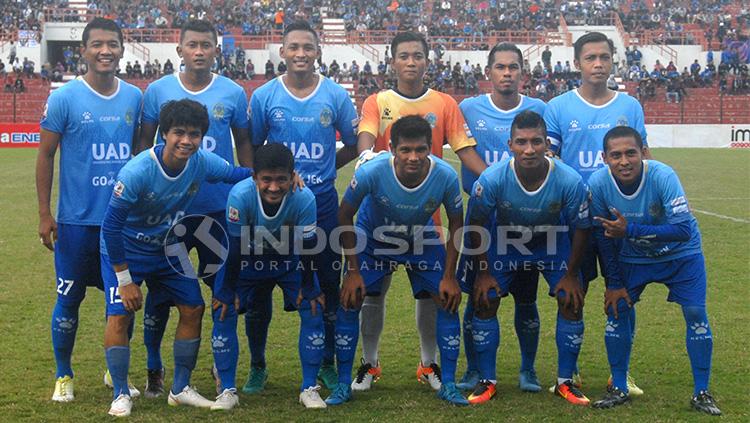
pixel 127 188
pixel 453 200
pixel 150 106
pixel 370 121
pixel 258 120
pixel 217 169
pixel 673 198
pixel 308 218
pixel 239 117
pixel 554 133
pixel 640 123
pixel 238 213
pixel 358 188
pixel 55 115
pixel 597 202
pixel 577 206
pixel 347 121
pixel 483 198
pixel 457 132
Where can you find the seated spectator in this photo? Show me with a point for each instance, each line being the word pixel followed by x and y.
pixel 282 67
pixel 19 85
pixel 129 70
pixel 672 91
pixel 269 70
pixel 3 72
pixel 137 70
pixel 367 68
pixel 250 69
pixel 45 72
pixel 353 69
pixel 168 67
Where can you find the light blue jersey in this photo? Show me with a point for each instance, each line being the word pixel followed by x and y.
pixel 296 217
pixel 307 126
pixel 576 128
pixel 389 209
pixel 96 133
pixel 227 108
pixel 156 200
pixel 560 202
pixel 659 200
pixel 490 126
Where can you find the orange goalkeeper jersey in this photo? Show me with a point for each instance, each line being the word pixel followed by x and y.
pixel 381 110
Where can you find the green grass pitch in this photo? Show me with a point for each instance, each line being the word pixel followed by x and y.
pixel 717 185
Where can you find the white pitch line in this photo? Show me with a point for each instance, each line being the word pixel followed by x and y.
pixel 721 216
pixel 721 199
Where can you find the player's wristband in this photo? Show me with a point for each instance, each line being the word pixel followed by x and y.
pixel 123 278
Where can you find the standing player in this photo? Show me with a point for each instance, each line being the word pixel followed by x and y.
pixel 578 120
pixel 227 107
pixel 303 110
pixel 536 200
pixel 646 233
pixel 94 120
pixel 138 243
pixel 379 112
pixel 272 215
pixel 489 118
pixel 396 196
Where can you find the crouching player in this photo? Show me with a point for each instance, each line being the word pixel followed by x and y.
pixel 646 233
pixel 396 195
pixel 534 201
pixel 263 215
pixel 152 191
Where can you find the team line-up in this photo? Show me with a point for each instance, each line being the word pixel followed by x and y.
pixel 580 162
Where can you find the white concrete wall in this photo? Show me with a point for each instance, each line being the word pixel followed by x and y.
pixel 692 136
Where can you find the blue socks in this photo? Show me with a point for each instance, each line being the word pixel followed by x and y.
pixel 118 362
pixel 347 335
pixel 526 321
pixel 155 319
pixel 64 327
pixel 449 343
pixel 569 337
pixel 311 344
pixel 257 320
pixel 486 339
pixel 331 291
pixel 225 346
pixel 618 338
pixel 185 357
pixel 700 343
pixel 472 364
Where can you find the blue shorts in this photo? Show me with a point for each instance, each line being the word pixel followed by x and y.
pixel 167 282
pixel 518 277
pixel 206 256
pixel 248 291
pixel 327 263
pixel 76 262
pixel 589 261
pixel 425 270
pixel 685 278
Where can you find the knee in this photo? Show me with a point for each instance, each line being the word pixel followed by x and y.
pixel 191 314
pixel 695 313
pixel 568 312
pixel 487 312
pixel 623 309
pixel 119 323
pixel 374 301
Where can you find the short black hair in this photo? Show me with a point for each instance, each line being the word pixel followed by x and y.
pixel 103 24
pixel 622 132
pixel 273 156
pixel 300 26
pixel 411 127
pixel 526 120
pixel 185 112
pixel 198 25
pixel 504 47
pixel 409 36
pixel 591 37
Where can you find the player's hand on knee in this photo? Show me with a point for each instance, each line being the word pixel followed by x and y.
pixel 48 231
pixel 571 286
pixel 319 301
pixel 132 297
pixel 352 290
pixel 612 297
pixel 482 287
pixel 216 304
pixel 450 294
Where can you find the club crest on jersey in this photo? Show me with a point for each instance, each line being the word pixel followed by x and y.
pixel 478 189
pixel 326 117
pixel 655 210
pixel 431 118
pixel 218 111
pixel 353 183
pixel 234 214
pixel 622 121
pixel 119 189
pixel 555 207
pixel 430 205
pixel 193 188
pixel 129 117
pixel 44 112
